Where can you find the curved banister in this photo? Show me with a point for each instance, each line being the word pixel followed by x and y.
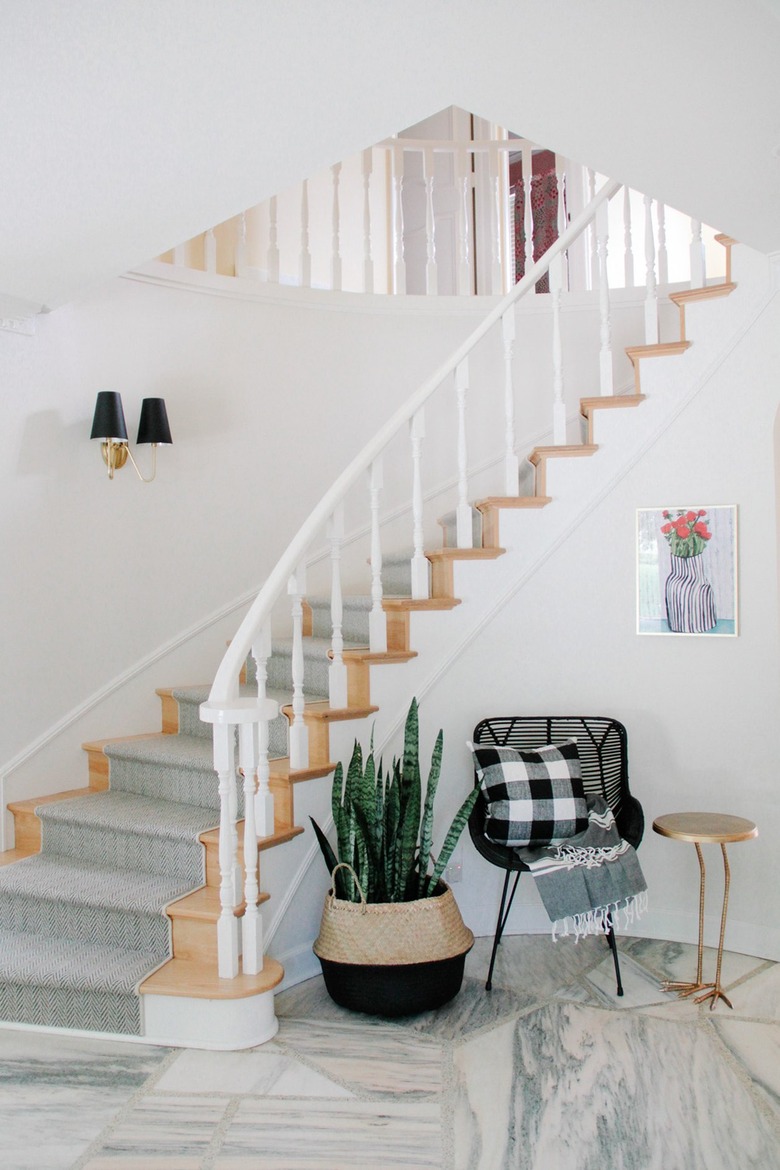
pixel 225 686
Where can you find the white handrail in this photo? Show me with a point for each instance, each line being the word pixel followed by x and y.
pixel 225 686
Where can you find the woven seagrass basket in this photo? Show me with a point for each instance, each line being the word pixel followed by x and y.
pixel 393 958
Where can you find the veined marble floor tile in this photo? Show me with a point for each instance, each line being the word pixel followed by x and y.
pixel 310 1001
pixel 530 964
pixel 671 960
pixel 368 1059
pixel 640 988
pixel 160 1127
pixel 578 1088
pixel 757 1047
pixel 254 1071
pixel 758 997
pixel 155 1162
pixel 289 1135
pixel 41 1058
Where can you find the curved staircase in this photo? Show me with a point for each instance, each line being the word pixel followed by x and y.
pixel 110 900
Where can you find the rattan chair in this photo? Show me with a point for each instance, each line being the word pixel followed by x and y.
pixel 603 750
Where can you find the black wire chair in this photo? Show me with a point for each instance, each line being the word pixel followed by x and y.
pixel 602 745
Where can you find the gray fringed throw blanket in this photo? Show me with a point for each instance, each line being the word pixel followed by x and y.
pixel 587 880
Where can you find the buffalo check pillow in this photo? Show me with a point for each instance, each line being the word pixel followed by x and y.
pixel 534 797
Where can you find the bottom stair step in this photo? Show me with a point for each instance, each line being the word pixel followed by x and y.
pixel 68 983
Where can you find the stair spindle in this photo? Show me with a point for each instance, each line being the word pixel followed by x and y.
pixel 559 406
pixel 511 462
pixel 399 264
pixel 210 251
pixel 227 925
pixel 252 923
pixel 299 733
pixel 368 263
pixel 562 218
pixel 337 671
pixel 335 263
pixel 663 259
pixel 420 563
pixel 496 274
pixel 431 269
pixel 264 801
pixel 240 260
pixel 528 211
pixel 593 265
pixel 463 521
pixel 651 299
pixel 698 269
pixel 273 246
pixel 377 619
pixel 462 161
pixel 305 261
pixel 605 354
pixel 628 242
pixel 180 255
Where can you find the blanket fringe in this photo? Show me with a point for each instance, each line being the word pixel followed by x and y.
pixel 598 921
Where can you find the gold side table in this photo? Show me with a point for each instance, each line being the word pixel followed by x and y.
pixel 706 829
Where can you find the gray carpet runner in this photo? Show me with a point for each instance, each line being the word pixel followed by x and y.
pixel 83 922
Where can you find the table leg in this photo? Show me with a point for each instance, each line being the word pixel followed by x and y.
pixel 716 993
pixel 686 988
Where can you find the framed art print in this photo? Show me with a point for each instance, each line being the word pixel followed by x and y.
pixel 687 570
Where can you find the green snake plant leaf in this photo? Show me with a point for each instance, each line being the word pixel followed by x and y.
pixel 354 774
pixel 450 841
pixel 362 866
pixel 331 861
pixel 426 833
pixel 373 860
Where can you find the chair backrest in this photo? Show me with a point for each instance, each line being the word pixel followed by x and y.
pixel 602 744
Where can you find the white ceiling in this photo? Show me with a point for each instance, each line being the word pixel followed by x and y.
pixel 128 126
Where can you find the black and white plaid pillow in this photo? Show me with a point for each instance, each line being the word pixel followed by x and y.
pixel 534 797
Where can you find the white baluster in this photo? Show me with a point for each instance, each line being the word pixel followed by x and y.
pixel 464 222
pixel 463 522
pixel 399 264
pixel 299 733
pixel 305 264
pixel 562 218
pixel 559 406
pixel 252 924
pixel 698 271
pixel 528 211
pixel 377 620
pixel 240 262
pixel 628 243
pixel 605 354
pixel 431 270
pixel 273 245
pixel 420 563
pixel 663 260
pixel 651 299
pixel 368 263
pixel 264 801
pixel 337 672
pixel 227 926
pixel 496 274
pixel 335 262
pixel 593 266
pixel 511 462
pixel 210 251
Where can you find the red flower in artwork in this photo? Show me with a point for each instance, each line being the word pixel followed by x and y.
pixel 687 535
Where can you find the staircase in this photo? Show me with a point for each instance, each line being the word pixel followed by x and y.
pixel 121 901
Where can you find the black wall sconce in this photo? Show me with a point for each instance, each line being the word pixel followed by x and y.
pixel 109 426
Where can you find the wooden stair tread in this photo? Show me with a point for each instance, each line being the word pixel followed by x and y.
pixel 378 657
pixel 280 770
pixel 9 856
pixel 512 502
pixel 608 402
pixel 394 604
pixel 322 710
pixel 726 241
pixel 29 806
pixel 204 904
pixel 198 979
pixel 278 837
pixel 465 554
pixel 661 349
pixel 562 452
pixel 709 292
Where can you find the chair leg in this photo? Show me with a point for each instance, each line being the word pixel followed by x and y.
pixel 613 947
pixel 501 922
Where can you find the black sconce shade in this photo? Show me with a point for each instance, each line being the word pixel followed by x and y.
pixel 109 420
pixel 153 425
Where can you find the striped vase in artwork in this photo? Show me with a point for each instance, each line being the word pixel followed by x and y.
pixel 690 603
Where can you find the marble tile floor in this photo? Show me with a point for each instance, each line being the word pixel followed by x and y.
pixel 549 1071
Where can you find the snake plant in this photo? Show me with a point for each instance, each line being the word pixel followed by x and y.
pixel 384 829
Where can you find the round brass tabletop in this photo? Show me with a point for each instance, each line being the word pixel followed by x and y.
pixel 705 828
